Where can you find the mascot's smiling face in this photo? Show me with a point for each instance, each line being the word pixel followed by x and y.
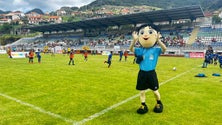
pixel 147 37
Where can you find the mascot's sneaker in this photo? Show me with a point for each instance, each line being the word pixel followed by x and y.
pixel 143 109
pixel 158 108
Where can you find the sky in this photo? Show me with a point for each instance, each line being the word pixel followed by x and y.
pixel 44 5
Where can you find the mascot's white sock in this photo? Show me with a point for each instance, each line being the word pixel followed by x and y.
pixel 142 96
pixel 157 94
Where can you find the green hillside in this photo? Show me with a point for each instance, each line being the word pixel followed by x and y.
pixel 166 4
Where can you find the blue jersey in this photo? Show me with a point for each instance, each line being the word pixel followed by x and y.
pixel 208 58
pixel 211 56
pixel 110 57
pixel 215 56
pixel 150 57
pixel 38 54
pixel 121 53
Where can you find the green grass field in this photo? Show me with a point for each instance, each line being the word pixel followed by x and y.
pixel 89 93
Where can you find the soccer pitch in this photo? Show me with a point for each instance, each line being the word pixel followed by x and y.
pixel 89 93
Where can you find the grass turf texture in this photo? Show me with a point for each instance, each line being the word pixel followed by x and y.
pixel 79 91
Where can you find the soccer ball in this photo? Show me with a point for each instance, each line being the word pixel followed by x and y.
pixel 174 68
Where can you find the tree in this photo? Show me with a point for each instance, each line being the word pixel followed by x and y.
pixel 5 28
pixel 25 20
pixel 7 39
pixel 216 19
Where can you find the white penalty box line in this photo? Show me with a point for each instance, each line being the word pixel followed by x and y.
pixel 88 118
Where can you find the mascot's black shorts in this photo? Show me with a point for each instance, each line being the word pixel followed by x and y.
pixel 147 80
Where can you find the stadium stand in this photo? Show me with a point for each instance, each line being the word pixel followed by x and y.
pixel 209 36
pixel 189 12
pixel 178 30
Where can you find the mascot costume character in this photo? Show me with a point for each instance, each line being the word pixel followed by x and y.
pixel 147 57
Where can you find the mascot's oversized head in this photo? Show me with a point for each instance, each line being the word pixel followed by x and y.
pixel 147 36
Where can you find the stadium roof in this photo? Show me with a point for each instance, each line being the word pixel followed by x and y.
pixel 191 12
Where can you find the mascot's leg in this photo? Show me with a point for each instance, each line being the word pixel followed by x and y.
pixel 143 108
pixel 159 106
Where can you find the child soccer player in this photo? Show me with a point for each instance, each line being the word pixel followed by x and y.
pixel 109 61
pixel 125 55
pixel 31 56
pixel 38 56
pixel 71 57
pixel 9 52
pixel 85 55
pixel 120 55
pixel 220 60
pixel 215 58
pixel 206 60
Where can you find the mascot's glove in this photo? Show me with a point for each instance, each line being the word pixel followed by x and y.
pixel 135 36
pixel 139 59
pixel 159 36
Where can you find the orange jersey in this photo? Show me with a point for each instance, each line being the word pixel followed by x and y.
pixel 31 54
pixel 125 53
pixel 71 55
pixel 9 51
pixel 85 54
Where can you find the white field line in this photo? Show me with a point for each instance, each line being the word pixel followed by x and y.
pixel 38 109
pixel 124 101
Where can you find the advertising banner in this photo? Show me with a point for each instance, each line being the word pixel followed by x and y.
pixel 100 47
pixel 105 52
pixel 196 54
pixel 3 52
pixel 19 54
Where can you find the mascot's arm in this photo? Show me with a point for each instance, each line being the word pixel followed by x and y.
pixel 135 38
pixel 161 44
